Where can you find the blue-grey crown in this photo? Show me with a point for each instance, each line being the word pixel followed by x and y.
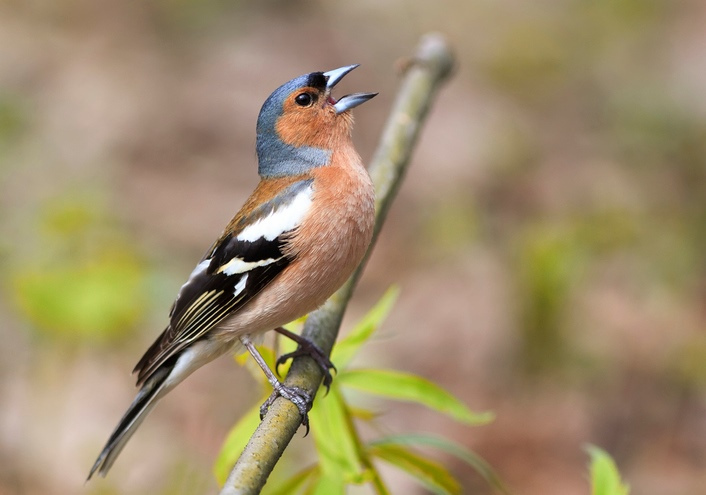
pixel 275 158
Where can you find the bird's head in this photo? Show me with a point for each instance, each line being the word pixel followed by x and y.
pixel 300 123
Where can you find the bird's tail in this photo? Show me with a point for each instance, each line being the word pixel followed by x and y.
pixel 145 400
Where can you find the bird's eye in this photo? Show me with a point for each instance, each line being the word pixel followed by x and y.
pixel 304 99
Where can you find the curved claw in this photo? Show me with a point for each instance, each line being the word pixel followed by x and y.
pixel 307 348
pixel 283 359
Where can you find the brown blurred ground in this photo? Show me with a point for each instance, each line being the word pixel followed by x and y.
pixel 549 239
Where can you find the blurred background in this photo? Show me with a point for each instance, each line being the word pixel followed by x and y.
pixel 548 241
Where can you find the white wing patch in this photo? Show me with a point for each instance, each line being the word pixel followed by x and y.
pixel 237 265
pixel 240 285
pixel 280 220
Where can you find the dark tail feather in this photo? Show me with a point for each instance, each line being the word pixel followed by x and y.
pixel 136 413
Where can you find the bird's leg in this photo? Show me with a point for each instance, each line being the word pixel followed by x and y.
pixel 295 395
pixel 307 348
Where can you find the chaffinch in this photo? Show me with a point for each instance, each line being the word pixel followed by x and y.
pixel 298 237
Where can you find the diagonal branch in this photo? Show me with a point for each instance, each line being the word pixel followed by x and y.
pixel 429 67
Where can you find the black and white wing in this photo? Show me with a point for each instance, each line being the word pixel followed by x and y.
pixel 249 255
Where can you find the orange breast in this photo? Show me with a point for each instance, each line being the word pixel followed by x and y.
pixel 328 245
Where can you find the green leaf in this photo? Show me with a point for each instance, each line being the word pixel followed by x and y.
pixel 346 349
pixel 331 484
pixel 431 474
pixel 458 451
pixel 294 483
pixel 335 437
pixel 605 477
pixel 362 413
pixel 235 442
pixel 404 386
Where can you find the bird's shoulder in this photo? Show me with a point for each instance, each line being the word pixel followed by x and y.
pixel 271 196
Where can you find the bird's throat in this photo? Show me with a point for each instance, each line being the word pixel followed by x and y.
pixel 278 159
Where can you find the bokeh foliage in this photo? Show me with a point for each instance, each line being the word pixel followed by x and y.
pixel 83 278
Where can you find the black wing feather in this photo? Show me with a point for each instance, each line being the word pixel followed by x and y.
pixel 211 294
pixel 208 297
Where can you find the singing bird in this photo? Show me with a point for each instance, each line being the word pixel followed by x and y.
pixel 297 238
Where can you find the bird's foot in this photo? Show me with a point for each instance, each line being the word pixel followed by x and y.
pixel 307 348
pixel 297 396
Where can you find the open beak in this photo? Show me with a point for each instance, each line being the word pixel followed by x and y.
pixel 349 101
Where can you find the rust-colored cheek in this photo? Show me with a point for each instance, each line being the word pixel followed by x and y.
pixel 314 126
pixel 297 129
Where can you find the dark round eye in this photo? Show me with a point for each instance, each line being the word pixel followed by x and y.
pixel 304 99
